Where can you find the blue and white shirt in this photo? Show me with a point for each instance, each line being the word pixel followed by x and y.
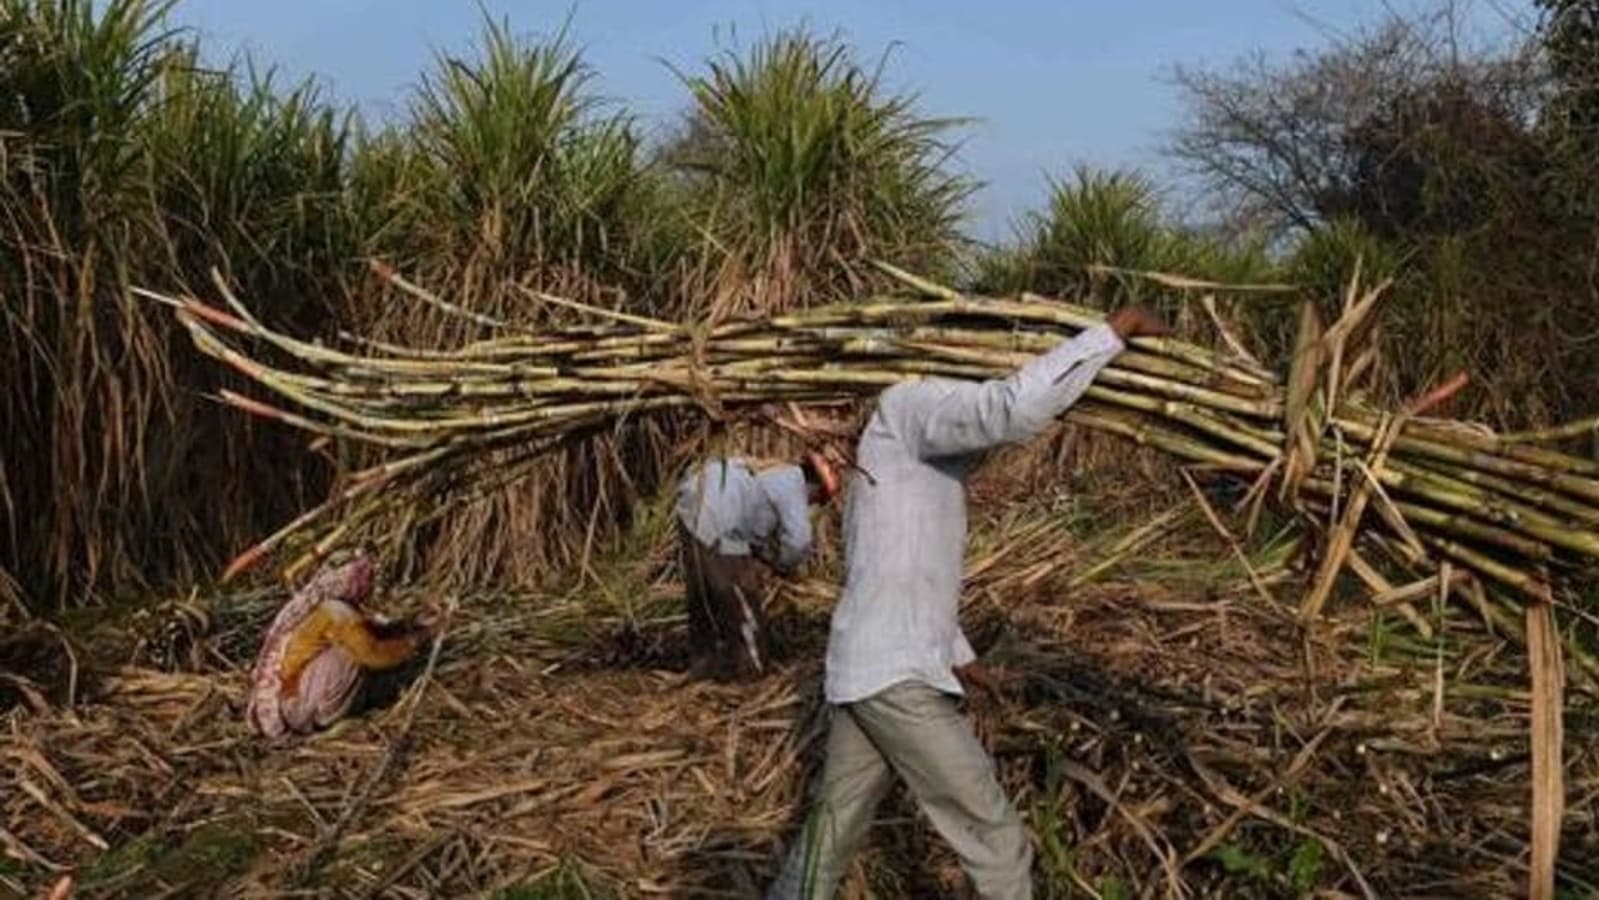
pixel 731 509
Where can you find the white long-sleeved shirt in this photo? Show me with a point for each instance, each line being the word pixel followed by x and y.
pixel 905 519
pixel 731 508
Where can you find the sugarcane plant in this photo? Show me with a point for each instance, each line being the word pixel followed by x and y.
pixel 460 422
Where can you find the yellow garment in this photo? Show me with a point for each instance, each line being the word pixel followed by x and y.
pixel 338 624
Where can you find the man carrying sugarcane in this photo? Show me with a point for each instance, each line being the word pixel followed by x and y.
pixel 734 515
pixel 896 656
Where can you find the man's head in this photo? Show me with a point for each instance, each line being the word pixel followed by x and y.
pixel 821 478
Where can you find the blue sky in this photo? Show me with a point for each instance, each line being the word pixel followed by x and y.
pixel 1052 84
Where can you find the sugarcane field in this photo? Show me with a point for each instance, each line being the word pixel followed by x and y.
pixel 711 450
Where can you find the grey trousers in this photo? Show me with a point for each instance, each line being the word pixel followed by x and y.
pixel 917 733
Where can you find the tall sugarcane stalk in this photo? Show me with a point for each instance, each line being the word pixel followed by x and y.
pixel 1501 507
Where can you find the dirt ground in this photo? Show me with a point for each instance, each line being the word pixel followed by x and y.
pixel 1168 730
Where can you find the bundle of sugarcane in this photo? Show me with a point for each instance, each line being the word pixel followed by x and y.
pixel 467 420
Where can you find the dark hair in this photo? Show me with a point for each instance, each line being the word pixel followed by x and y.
pixel 808 469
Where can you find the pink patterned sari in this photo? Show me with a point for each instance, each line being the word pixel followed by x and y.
pixel 326 686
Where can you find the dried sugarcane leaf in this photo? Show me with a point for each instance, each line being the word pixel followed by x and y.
pixel 1548 779
pixel 1303 372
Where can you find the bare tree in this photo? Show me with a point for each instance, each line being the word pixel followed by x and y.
pixel 1289 145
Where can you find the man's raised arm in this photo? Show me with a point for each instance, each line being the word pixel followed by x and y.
pixel 972 417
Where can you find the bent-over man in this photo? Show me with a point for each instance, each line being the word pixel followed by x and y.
pixel 734 515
